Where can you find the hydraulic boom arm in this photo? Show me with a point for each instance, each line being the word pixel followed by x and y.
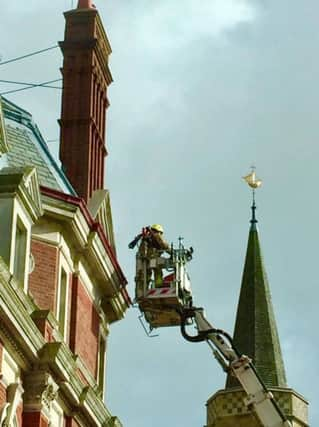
pixel 258 397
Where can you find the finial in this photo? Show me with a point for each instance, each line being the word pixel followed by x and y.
pixel 180 241
pixel 254 183
pixel 85 4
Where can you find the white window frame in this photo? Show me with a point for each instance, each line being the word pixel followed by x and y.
pixel 22 221
pixel 63 268
pixel 57 413
pixel 10 370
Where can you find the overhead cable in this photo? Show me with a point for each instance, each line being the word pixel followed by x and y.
pixel 44 84
pixel 28 84
pixel 29 54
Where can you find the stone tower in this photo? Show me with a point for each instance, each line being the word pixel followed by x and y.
pixel 256 336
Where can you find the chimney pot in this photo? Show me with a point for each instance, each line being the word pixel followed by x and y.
pixel 85 4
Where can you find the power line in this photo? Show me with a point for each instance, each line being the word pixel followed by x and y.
pixel 44 84
pixel 28 84
pixel 29 54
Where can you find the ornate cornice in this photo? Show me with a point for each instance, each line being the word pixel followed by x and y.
pixel 15 321
pixel 19 332
pixel 40 391
pixel 85 400
pixel 92 246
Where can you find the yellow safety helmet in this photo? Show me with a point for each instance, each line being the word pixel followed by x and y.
pixel 157 227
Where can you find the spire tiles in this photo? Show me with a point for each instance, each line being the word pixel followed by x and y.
pixel 256 332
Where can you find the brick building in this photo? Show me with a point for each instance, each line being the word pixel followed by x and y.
pixel 61 286
pixel 256 335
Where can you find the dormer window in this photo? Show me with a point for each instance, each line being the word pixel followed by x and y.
pixel 20 208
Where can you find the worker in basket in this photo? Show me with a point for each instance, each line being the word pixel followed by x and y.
pixel 152 246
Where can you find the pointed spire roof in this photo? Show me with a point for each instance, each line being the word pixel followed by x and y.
pixel 256 332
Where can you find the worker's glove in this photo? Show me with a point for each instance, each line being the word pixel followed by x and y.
pixel 189 253
pixel 134 242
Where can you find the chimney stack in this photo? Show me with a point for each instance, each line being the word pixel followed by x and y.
pixel 86 76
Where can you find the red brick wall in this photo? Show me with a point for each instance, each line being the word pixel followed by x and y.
pixel 45 328
pixel 84 101
pixel 3 394
pixel 70 422
pixel 43 280
pixel 34 419
pixel 84 329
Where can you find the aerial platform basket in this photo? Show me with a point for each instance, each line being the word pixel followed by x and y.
pixel 162 304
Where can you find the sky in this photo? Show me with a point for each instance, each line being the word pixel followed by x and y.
pixel 201 91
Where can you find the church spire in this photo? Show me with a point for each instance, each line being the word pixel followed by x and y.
pixel 255 328
pixel 256 336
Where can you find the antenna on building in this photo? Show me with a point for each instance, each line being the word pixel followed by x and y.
pixel 253 183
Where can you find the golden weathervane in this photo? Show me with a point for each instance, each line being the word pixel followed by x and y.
pixel 252 179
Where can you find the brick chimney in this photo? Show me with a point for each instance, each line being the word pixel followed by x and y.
pixel 86 76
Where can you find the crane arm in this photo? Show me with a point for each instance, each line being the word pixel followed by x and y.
pixel 258 397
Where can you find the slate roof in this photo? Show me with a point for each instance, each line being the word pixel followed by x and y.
pixel 26 147
pixel 256 332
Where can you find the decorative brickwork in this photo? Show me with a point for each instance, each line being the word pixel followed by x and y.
pixel 227 409
pixel 43 279
pixel 84 335
pixel 84 101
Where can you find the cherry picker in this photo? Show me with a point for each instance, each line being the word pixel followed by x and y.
pixel 170 303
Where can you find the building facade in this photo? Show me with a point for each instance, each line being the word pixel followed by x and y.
pixel 61 286
pixel 256 336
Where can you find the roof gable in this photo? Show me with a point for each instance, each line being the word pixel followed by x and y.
pixel 22 182
pixel 99 207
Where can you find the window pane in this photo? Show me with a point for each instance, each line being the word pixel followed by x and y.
pixel 62 302
pixel 20 251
